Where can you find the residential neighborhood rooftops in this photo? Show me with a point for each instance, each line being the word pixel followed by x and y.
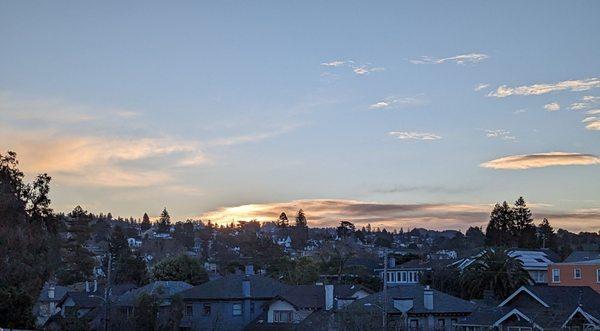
pixel 161 289
pixel 442 302
pixel 230 287
pixel 582 256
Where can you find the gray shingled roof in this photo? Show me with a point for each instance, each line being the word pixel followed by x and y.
pixel 568 297
pixel 582 256
pixel 230 287
pixel 442 302
pixel 161 289
pixel 313 296
pixel 59 293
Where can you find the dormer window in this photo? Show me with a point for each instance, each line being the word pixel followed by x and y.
pixel 282 316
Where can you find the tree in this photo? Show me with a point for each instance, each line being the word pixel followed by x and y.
pixel 77 262
pixel 182 268
pixel 282 221
pixel 500 229
pixel 126 266
pixel 546 235
pixel 494 270
pixel 146 311
pixel 475 236
pixel 27 227
pixel 145 225
pixel 346 229
pixel 524 229
pixel 300 231
pixel 164 221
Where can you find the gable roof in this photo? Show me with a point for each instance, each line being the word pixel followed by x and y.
pixel 161 289
pixel 582 256
pixel 230 287
pixel 313 296
pixel 442 302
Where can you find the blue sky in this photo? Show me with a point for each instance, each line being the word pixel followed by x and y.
pixel 204 107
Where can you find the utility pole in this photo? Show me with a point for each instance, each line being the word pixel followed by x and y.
pixel 106 294
pixel 385 276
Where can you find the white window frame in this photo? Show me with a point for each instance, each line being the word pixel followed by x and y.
pixel 576 273
pixel 556 276
pixel 278 313
pixel 235 311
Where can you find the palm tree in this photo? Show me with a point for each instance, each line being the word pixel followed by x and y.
pixel 494 270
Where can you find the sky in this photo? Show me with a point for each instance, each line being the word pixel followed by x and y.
pixel 395 113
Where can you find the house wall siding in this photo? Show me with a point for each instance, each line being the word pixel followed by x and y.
pixel 588 275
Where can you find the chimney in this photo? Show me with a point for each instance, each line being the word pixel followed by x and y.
pixel 246 287
pixel 95 285
pixel 249 269
pixel 392 262
pixel 51 292
pixel 87 286
pixel 428 298
pixel 328 297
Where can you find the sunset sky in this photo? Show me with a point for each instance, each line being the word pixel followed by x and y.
pixel 398 114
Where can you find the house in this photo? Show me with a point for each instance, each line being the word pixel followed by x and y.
pixel 295 304
pixel 412 307
pixel 410 272
pixel 228 303
pixel 535 262
pixel 163 291
pixel 48 303
pixel 443 255
pixel 579 269
pixel 134 243
pixel 539 307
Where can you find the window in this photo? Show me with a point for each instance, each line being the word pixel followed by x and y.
pixel 441 324
pixel 598 275
pixel 403 276
pixel 236 309
pixel 189 310
pixel 577 273
pixel 539 276
pixel 556 275
pixel 414 324
pixel 282 316
pixel 453 321
pixel 206 309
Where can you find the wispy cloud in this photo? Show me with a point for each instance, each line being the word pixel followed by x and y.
pixel 471 58
pixel 500 134
pixel 586 102
pixel 539 89
pixel 396 102
pixel 541 160
pixel 593 123
pixel 593 112
pixel 553 106
pixel 412 135
pixel 480 87
pixel 359 69
pixel 335 63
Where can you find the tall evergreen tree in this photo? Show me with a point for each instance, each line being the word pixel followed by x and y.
pixel 26 229
pixel 145 225
pixel 524 229
pixel 546 235
pixel 500 229
pixel 282 221
pixel 164 221
pixel 300 231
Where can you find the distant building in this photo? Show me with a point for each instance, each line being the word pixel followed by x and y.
pixel 162 290
pixel 535 262
pixel 579 269
pixel 411 272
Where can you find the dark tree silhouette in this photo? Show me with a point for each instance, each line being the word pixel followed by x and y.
pixel 164 221
pixel 145 225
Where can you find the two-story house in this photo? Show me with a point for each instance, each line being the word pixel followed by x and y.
pixel 228 303
pixel 581 268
